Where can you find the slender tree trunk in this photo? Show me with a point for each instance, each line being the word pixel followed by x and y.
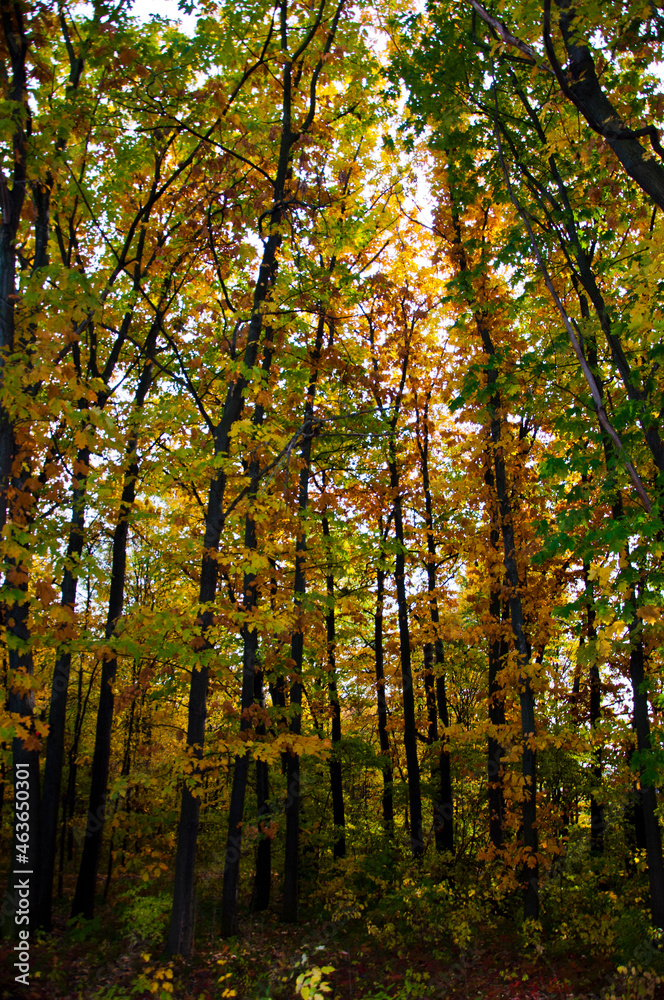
pixel 434 682
pixel 596 808
pixel 383 738
pixel 530 875
pixel 180 939
pixel 84 895
pixel 249 667
pixel 260 898
pixel 44 819
pixel 646 791
pixel 55 741
pixel 13 196
pixel 241 767
pixel 26 840
pixel 17 38
pixel 530 871
pixel 432 737
pixel 498 650
pixel 292 850
pixel 445 828
pixel 410 729
pixel 336 785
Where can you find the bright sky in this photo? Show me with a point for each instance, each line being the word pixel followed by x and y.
pixel 166 8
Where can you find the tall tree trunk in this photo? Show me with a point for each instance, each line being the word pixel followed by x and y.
pixel 530 874
pixel 12 197
pixel 530 871
pixel 84 895
pixel 596 808
pixel 646 791
pixel 55 741
pixel 498 650
pixel 336 785
pixel 445 827
pixel 241 766
pixel 383 738
pixel 249 668
pixel 17 38
pixel 292 849
pixel 26 839
pixel 410 728
pixel 443 805
pixel 260 897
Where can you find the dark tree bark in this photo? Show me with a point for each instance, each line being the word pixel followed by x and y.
pixel 581 85
pixel 13 475
pixel 55 741
pixel 530 874
pixel 336 785
pixel 646 792
pixel 12 197
pixel 249 670
pixel 434 681
pixel 292 849
pixel 25 849
pixel 596 808
pixel 383 738
pixel 635 827
pixel 240 771
pixel 241 766
pixel 260 897
pixel 410 728
pixel 530 871
pixel 579 259
pixel 84 895
pixel 396 512
pixel 180 938
pixel 498 650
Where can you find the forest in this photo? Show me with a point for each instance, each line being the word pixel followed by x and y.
pixel 331 450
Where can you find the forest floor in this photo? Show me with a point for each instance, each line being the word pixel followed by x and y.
pixel 92 962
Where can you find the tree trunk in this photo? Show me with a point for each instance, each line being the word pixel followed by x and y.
pixel 336 785
pixel 410 729
pixel 260 898
pixel 241 766
pixel 55 741
pixel 646 792
pixel 530 871
pixel 383 738
pixel 584 89
pixel 26 849
pixel 434 682
pixel 249 668
pixel 13 196
pixel 498 650
pixel 84 895
pixel 596 808
pixel 530 874
pixel 26 839
pixel 292 849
